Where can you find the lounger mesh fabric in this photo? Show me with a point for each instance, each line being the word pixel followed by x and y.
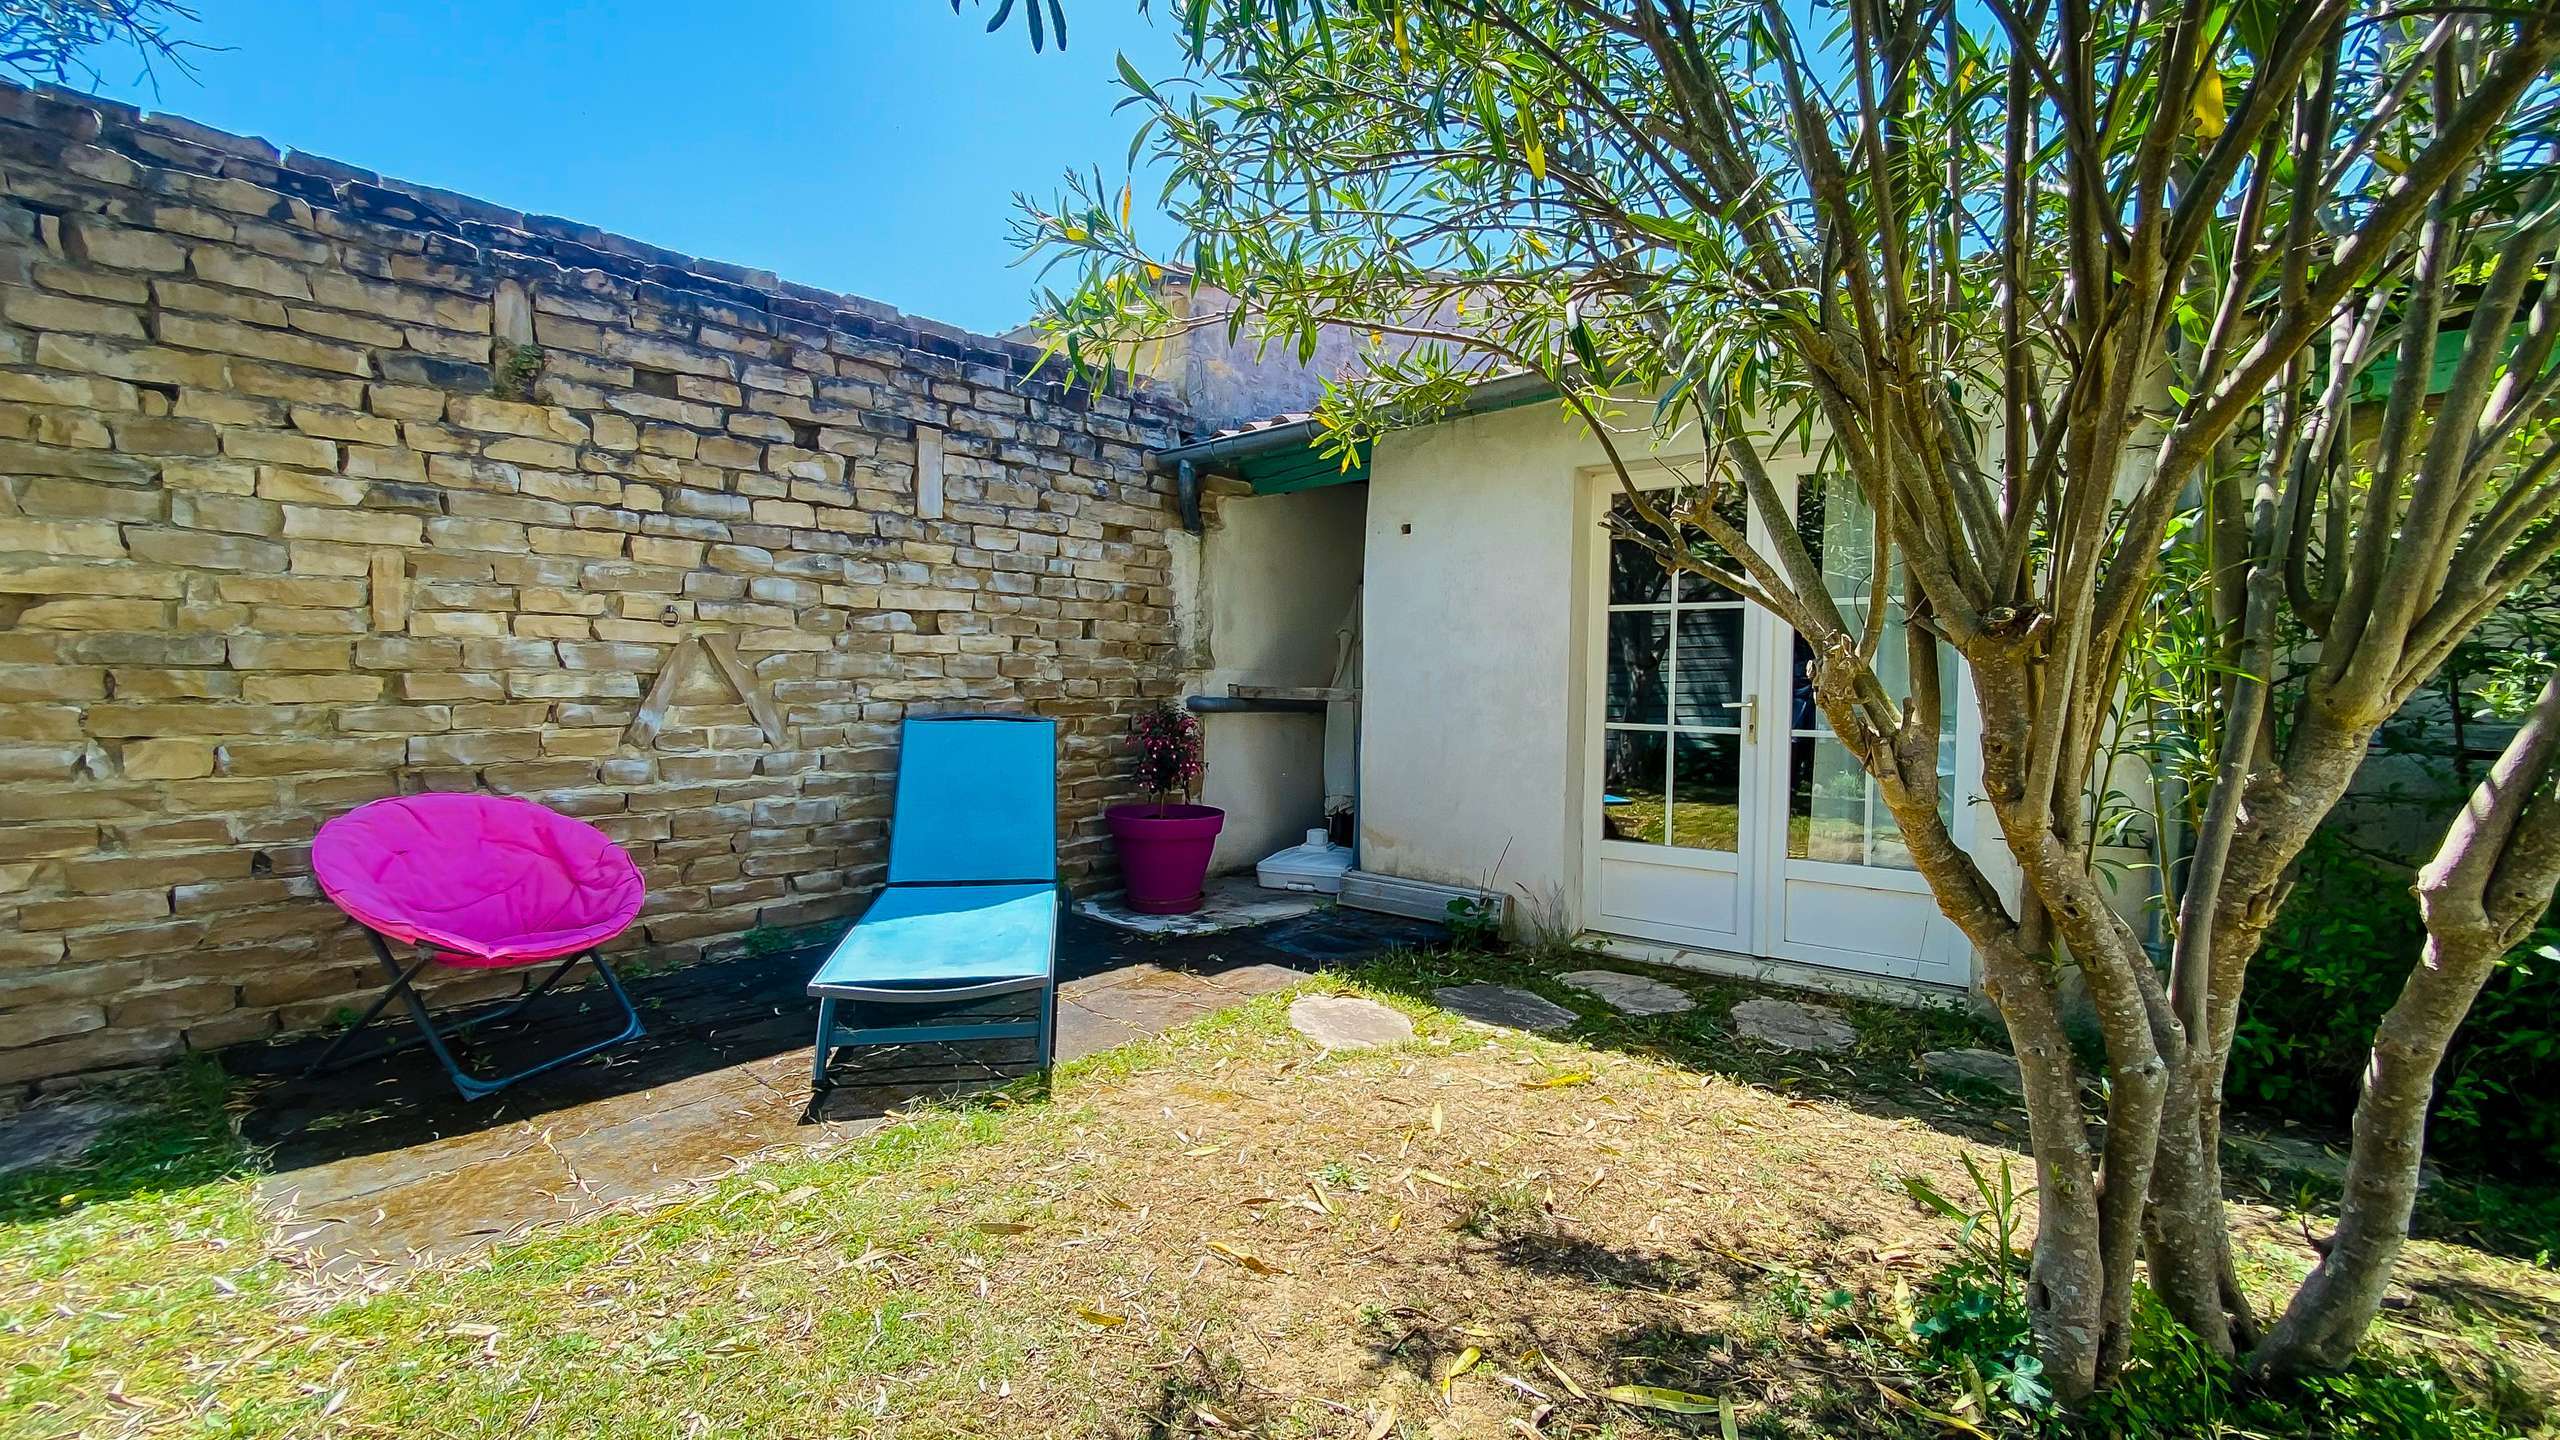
pixel 940 935
pixel 487 880
pixel 977 802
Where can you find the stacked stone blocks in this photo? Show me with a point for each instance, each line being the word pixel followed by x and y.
pixel 317 487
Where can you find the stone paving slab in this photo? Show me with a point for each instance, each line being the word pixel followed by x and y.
pixel 1248 981
pixel 1505 1007
pixel 1631 994
pixel 1793 1025
pixel 1229 902
pixel 1974 1066
pixel 382 1167
pixel 1345 1022
pixel 1083 1032
pixel 55 1130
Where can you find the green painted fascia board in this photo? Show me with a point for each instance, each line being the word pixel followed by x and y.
pixel 1302 467
pixel 2374 381
pixel 1305 467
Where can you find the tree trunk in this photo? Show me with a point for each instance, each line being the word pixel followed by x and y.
pixel 2190 1256
pixel 2489 882
pixel 2066 1279
pixel 2187 1238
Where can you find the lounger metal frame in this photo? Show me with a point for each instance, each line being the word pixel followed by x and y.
pixel 437 1040
pixel 1043 1029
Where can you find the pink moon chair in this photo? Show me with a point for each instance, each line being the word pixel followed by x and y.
pixel 479 882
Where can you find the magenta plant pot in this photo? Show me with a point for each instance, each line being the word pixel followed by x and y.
pixel 1164 853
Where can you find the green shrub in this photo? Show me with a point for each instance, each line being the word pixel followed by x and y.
pixel 1970 1332
pixel 2334 962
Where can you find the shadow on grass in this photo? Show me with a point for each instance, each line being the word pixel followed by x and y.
pixel 1880 1074
pixel 1204 1395
pixel 1566 1256
pixel 1882 1063
pixel 701 1018
pixel 180 1136
pixel 1793 1357
pixel 1800 1356
pixel 753 1010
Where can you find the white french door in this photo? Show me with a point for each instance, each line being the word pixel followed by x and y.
pixel 1726 817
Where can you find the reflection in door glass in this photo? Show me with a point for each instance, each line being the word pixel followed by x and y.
pixel 1636 576
pixel 1710 663
pixel 1632 778
pixel 1672 759
pixel 1835 811
pixel 1706 791
pixel 1639 666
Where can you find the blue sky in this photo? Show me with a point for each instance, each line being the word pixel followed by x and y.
pixel 871 146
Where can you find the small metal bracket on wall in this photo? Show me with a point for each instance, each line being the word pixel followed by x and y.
pixel 1187 493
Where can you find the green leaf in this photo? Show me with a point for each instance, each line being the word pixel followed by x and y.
pixel 1663 227
pixel 1130 77
pixel 1674 1402
pixel 1533 146
pixel 1925 1194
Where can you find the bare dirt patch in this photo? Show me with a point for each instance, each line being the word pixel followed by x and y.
pixel 1306 1245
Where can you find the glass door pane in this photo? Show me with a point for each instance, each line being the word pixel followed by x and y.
pixel 1835 812
pixel 1635 772
pixel 1672 757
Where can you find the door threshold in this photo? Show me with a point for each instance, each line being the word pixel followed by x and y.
pixel 1789 974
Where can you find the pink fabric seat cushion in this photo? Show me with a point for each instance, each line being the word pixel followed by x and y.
pixel 488 880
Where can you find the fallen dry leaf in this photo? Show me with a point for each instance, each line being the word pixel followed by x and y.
pixel 1246 1258
pixel 1465 1362
pixel 1548 1363
pixel 1656 1397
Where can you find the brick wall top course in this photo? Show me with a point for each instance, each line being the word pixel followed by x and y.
pixel 246 176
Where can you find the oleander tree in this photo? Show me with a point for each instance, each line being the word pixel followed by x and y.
pixel 2056 287
pixel 60 40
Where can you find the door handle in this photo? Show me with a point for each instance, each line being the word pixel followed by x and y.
pixel 1750 709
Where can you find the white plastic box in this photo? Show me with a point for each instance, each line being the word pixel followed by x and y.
pixel 1316 866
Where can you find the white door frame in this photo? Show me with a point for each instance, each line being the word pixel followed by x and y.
pixel 1927 947
pixel 1597 486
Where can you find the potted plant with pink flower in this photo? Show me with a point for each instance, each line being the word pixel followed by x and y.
pixel 1165 843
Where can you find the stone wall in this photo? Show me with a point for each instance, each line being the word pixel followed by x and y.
pixel 317 487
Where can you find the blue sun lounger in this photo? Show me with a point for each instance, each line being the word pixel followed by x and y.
pixel 970 907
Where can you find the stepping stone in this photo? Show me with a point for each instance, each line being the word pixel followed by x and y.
pixel 1346 1022
pixel 1631 994
pixel 1789 1025
pixel 51 1134
pixel 2301 1155
pixel 1505 1007
pixel 1978 1067
pixel 2289 1154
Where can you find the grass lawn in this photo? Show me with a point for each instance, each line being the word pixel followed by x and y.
pixel 1217 1233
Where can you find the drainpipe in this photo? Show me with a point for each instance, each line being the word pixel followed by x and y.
pixel 1187 494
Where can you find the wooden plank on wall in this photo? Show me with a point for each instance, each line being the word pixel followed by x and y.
pixel 662 693
pixel 723 650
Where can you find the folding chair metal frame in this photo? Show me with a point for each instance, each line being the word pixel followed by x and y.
pixel 438 1040
pixel 1042 1029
